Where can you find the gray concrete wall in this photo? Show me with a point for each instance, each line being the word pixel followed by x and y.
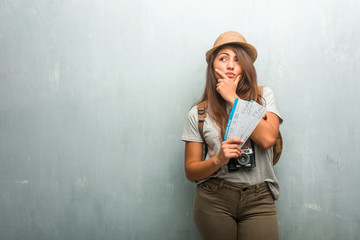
pixel 94 95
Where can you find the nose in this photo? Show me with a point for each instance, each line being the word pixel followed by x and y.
pixel 230 65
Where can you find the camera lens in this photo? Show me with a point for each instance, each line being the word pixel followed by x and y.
pixel 243 159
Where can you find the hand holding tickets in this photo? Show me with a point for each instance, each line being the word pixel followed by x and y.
pixel 243 119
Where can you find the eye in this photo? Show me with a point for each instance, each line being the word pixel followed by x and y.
pixel 222 59
pixel 236 60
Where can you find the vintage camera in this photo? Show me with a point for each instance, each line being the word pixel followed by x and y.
pixel 245 160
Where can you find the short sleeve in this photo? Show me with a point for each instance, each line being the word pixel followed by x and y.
pixel 270 102
pixel 191 129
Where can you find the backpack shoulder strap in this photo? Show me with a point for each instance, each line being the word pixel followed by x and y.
pixel 202 112
pixel 277 148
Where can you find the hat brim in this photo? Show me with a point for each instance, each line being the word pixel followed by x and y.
pixel 250 49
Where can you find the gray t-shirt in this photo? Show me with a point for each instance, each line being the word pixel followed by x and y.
pixel 263 172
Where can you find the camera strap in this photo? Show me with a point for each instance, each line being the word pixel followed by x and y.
pixel 249 144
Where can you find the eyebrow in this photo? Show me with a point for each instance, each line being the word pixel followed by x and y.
pixel 227 54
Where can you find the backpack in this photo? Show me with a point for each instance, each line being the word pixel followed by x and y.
pixel 202 112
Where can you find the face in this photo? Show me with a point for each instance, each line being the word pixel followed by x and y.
pixel 227 62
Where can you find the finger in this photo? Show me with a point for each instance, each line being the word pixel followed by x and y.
pixel 235 152
pixel 239 152
pixel 237 79
pixel 222 74
pixel 230 154
pixel 232 146
pixel 234 140
pixel 233 155
pixel 221 80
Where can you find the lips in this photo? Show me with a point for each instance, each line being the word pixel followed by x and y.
pixel 230 75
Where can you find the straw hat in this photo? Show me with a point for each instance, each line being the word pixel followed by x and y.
pixel 235 38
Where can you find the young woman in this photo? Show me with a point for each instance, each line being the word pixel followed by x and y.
pixel 232 204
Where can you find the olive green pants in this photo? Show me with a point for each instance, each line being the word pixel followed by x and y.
pixel 231 211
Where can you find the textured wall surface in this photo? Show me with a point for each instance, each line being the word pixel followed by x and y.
pixel 94 95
